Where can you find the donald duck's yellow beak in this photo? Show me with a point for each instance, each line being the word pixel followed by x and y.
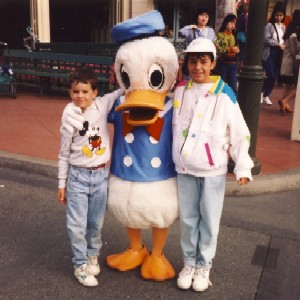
pixel 143 106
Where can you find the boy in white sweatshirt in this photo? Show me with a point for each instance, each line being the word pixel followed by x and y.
pixel 83 175
pixel 207 126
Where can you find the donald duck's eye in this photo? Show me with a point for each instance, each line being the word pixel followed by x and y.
pixel 125 77
pixel 156 76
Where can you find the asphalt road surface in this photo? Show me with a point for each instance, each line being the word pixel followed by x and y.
pixel 258 255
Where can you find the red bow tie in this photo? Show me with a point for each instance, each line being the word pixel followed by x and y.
pixel 154 129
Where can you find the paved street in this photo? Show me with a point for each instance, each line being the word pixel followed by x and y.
pixel 258 253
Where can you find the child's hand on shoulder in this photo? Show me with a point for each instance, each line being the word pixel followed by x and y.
pixel 72 118
pixel 243 181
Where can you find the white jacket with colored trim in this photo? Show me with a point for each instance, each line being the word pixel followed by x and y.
pixel 205 125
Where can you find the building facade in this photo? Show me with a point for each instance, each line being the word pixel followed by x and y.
pixel 91 20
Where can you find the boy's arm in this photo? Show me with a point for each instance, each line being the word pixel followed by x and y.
pixel 109 99
pixel 63 157
pixel 240 142
pixel 63 165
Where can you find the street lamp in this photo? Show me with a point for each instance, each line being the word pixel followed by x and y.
pixel 251 75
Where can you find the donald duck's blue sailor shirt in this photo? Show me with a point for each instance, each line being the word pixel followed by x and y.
pixel 138 156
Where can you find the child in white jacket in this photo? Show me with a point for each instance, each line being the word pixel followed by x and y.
pixel 207 126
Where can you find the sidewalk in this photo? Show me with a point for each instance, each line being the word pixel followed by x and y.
pixel 31 140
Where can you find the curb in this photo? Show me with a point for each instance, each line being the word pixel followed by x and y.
pixel 262 184
pixel 29 164
pixel 266 184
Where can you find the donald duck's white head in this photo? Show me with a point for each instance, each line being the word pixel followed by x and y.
pixel 146 67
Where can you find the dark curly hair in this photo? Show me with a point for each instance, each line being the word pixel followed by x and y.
pixel 84 75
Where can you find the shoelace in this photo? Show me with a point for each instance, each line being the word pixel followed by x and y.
pixel 202 271
pixel 187 270
pixel 84 270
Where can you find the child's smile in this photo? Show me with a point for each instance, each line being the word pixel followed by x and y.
pixel 82 94
pixel 199 67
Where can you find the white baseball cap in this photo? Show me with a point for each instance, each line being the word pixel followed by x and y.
pixel 201 45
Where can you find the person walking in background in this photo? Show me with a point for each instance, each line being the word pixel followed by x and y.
pixel 200 29
pixel 227 51
pixel 289 67
pixel 273 50
pixel 83 175
pixel 206 117
pixel 241 31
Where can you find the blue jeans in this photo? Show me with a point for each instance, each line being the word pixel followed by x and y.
pixel 200 209
pixel 228 73
pixel 271 67
pixel 86 208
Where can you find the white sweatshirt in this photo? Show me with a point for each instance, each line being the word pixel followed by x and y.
pixel 88 147
pixel 207 121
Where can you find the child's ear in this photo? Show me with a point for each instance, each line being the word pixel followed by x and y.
pixel 213 64
pixel 95 93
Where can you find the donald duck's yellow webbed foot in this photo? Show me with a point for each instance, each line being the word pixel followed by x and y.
pixel 157 268
pixel 127 260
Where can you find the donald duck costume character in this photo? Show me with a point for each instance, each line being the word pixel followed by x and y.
pixel 142 186
pixel 142 191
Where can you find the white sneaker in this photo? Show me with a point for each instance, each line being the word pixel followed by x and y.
pixel 83 276
pixel 93 266
pixel 266 100
pixel 185 278
pixel 201 280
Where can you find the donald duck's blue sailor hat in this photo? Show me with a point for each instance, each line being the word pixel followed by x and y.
pixel 145 25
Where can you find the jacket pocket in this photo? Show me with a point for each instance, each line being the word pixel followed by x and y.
pixel 205 152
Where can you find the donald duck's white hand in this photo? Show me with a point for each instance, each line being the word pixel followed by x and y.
pixel 72 118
